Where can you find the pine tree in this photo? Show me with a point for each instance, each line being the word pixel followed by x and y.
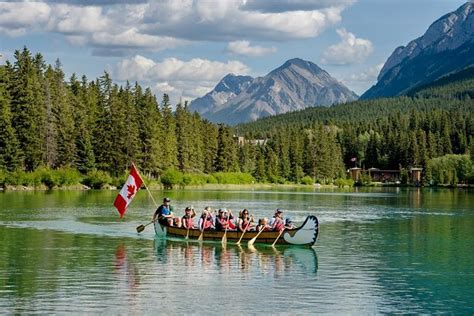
pixel 169 143
pixel 9 146
pixel 27 105
pixel 62 108
pixel 150 131
pixel 184 138
pixel 84 159
pixel 103 132
pixel 197 141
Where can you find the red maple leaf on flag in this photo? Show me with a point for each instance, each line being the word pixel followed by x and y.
pixel 131 189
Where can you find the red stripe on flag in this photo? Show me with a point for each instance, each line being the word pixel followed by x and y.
pixel 128 191
pixel 136 176
pixel 121 205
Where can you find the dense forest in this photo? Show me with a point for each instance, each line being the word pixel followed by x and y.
pixel 49 122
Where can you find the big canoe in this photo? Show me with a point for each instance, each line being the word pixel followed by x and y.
pixel 306 234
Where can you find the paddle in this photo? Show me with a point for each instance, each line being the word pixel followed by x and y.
pixel 224 238
pixel 187 233
pixel 252 241
pixel 189 226
pixel 203 227
pixel 142 227
pixel 243 233
pixel 281 232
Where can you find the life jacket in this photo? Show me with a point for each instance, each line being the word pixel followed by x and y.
pixel 188 222
pixel 279 224
pixel 223 222
pixel 207 223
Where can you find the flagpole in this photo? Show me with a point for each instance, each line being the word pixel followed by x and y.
pixel 145 185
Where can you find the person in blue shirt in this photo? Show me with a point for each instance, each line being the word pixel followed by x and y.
pixel 164 213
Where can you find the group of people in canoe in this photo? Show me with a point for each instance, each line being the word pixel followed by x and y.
pixel 223 220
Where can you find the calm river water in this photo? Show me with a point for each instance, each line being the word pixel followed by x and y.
pixel 382 250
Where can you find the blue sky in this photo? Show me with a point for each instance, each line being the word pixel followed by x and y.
pixel 184 47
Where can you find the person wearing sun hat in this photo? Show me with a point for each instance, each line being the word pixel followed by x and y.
pixel 277 223
pixel 164 213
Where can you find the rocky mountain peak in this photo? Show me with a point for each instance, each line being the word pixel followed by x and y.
pixel 295 85
pixel 446 47
pixel 447 33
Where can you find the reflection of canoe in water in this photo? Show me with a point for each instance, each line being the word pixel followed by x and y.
pixel 306 234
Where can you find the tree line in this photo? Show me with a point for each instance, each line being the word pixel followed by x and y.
pixel 48 121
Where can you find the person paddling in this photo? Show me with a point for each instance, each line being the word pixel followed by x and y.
pixel 188 218
pixel 277 223
pixel 245 222
pixel 206 221
pixel 164 213
pixel 224 220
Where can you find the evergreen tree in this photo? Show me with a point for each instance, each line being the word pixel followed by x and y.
pixel 84 159
pixel 62 108
pixel 151 131
pixel 169 143
pixel 103 132
pixel 27 105
pixel 9 146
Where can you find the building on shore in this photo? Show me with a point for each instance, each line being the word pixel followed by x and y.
pixel 385 176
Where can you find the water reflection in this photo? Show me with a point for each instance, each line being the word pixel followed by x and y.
pixel 249 261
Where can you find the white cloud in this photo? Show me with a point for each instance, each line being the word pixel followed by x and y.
pixel 244 48
pixel 17 18
pixel 228 20
pixel 361 81
pixel 350 50
pixel 179 78
pixel 293 5
pixel 157 25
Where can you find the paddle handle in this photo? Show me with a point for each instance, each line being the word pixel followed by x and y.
pixel 273 245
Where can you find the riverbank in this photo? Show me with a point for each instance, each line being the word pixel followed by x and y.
pixel 213 186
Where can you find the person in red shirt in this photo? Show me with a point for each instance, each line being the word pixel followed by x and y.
pixel 188 219
pixel 225 220
pixel 207 220
pixel 277 223
pixel 263 224
pixel 245 221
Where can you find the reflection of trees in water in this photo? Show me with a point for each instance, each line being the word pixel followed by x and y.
pixel 235 258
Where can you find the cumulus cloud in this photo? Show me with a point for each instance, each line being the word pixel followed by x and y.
pixel 179 78
pixel 276 6
pixel 350 50
pixel 17 18
pixel 227 20
pixel 244 48
pixel 126 27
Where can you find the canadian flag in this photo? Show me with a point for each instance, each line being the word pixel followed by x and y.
pixel 129 189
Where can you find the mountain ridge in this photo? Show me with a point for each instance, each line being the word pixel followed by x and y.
pixel 294 85
pixel 447 46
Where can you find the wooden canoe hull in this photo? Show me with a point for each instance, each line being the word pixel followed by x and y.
pixel 306 234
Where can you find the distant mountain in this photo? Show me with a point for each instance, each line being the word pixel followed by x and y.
pixel 295 85
pixel 446 47
pixel 229 87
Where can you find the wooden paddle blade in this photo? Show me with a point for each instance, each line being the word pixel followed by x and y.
pixel 140 228
pixel 252 241
pixel 224 239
